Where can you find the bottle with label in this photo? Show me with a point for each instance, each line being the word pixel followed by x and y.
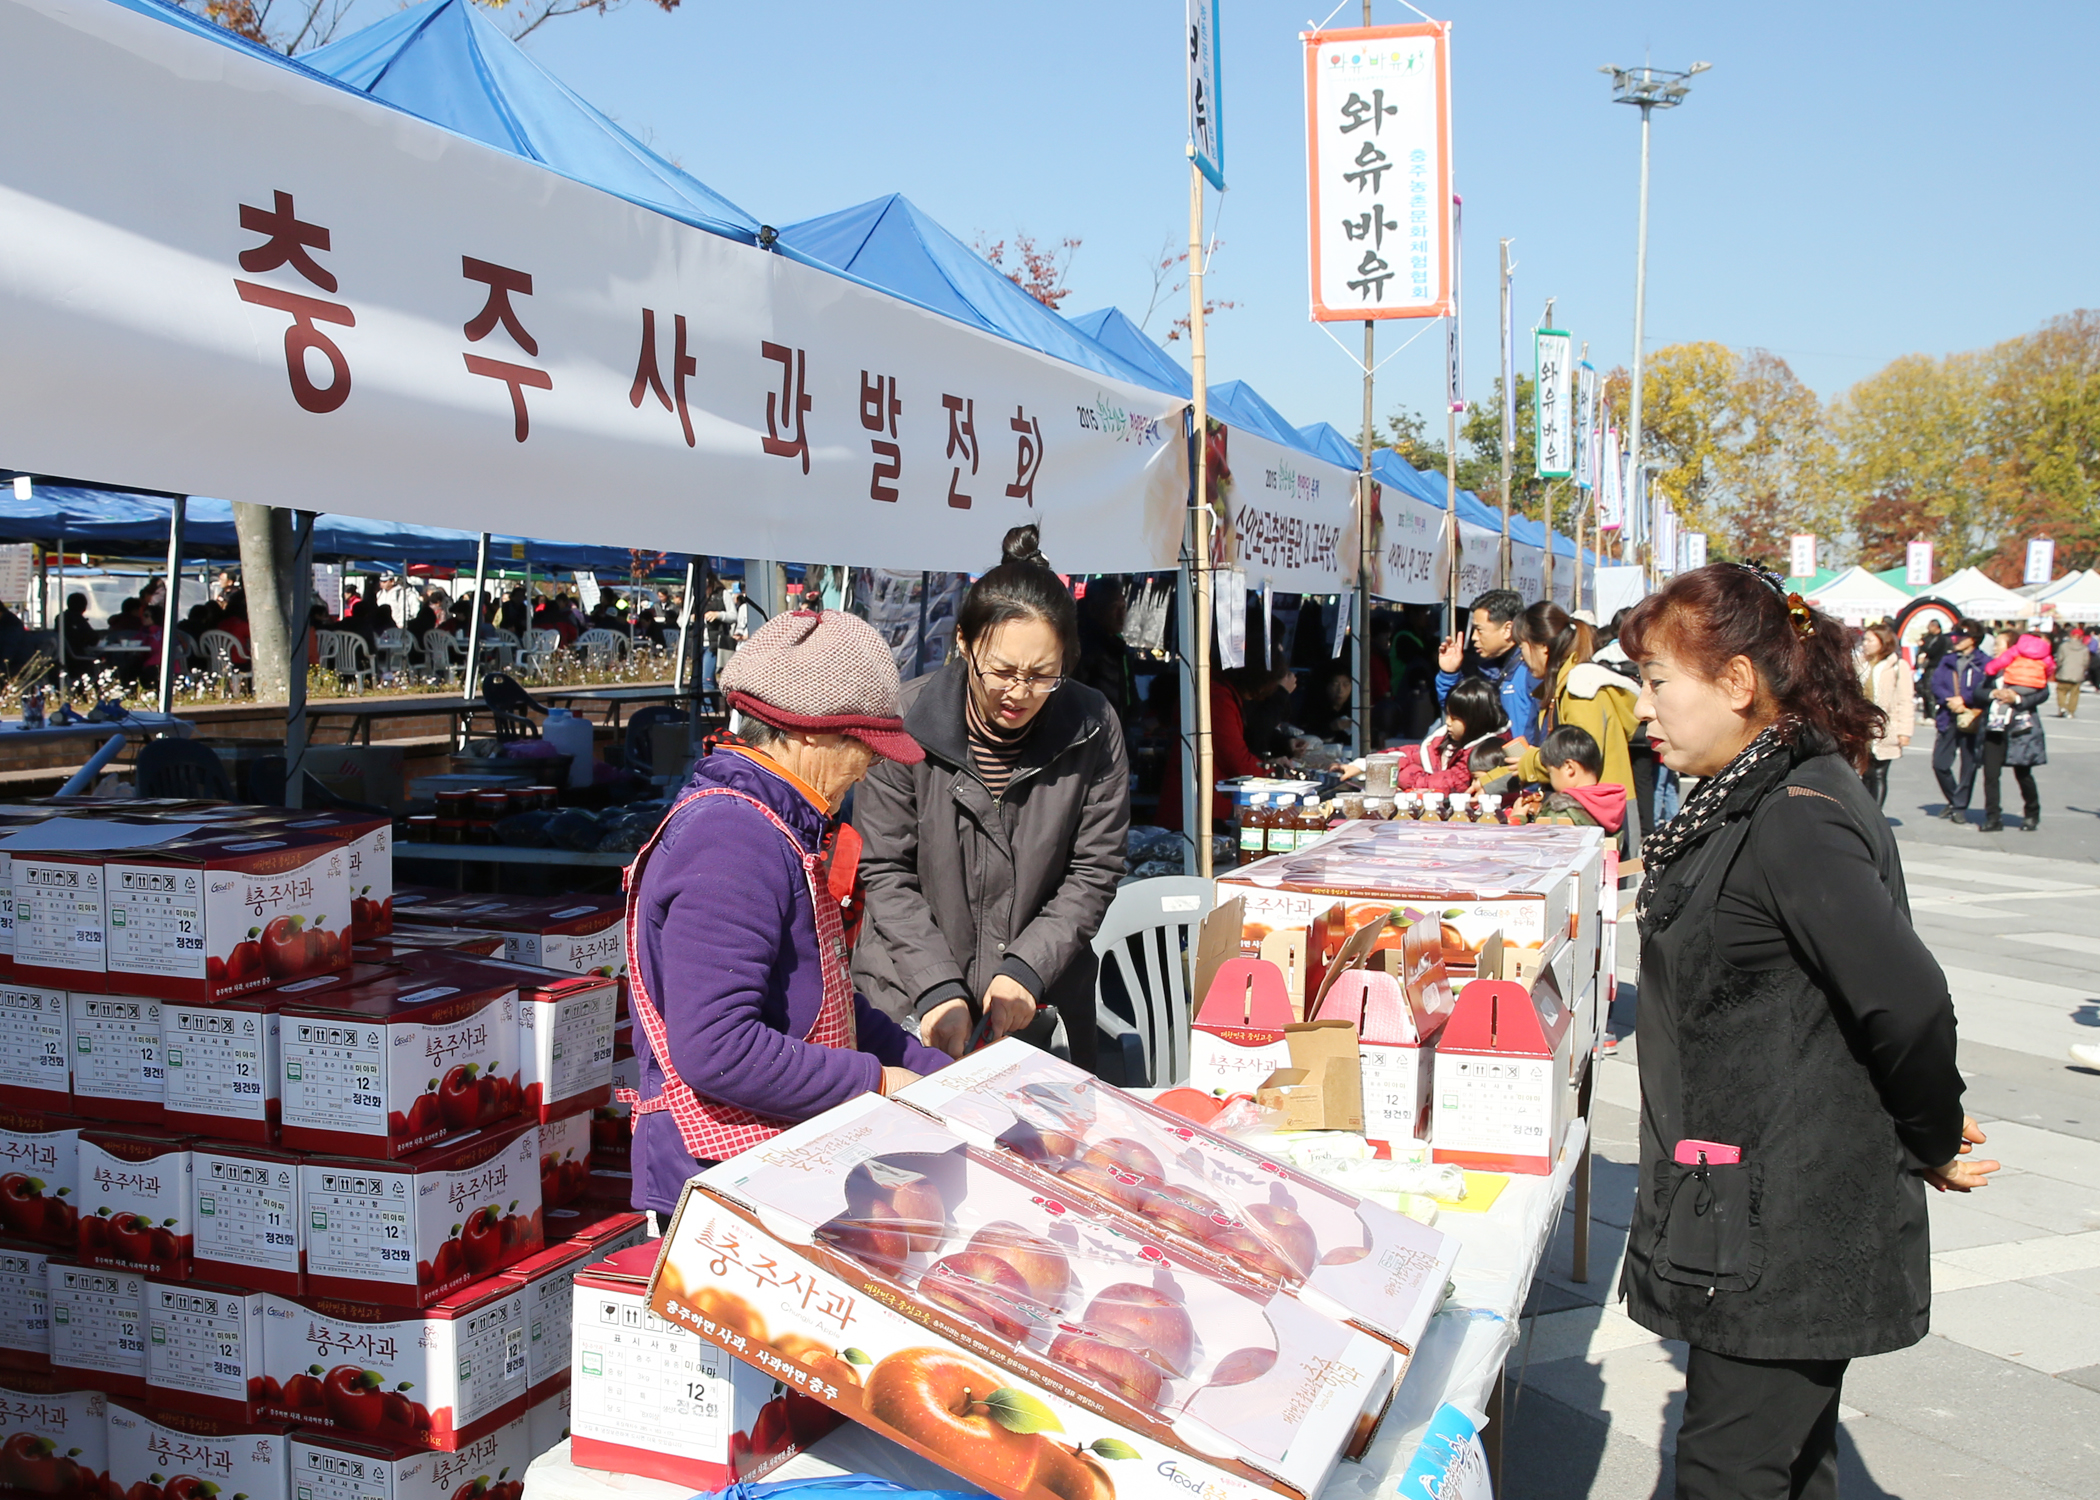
pixel 1283 826
pixel 1311 822
pixel 1254 829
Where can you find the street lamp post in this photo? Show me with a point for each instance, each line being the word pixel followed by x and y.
pixel 1651 89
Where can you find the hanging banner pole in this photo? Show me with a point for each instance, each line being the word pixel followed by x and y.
pixel 171 608
pixel 1509 417
pixel 1454 403
pixel 1200 542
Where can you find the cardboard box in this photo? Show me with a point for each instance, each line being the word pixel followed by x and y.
pixel 135 1201
pixel 565 1160
pixel 412 1232
pixel 223 1064
pixel 222 913
pixel 612 1125
pixel 549 1280
pixel 1322 1089
pixel 576 934
pixel 36 1070
pixel 25 1309
pixel 118 1072
pixel 1397 1016
pixel 245 1213
pixel 402 942
pixel 949 1252
pixel 204 1349
pixel 402 1061
pixel 1260 1218
pixel 1502 1068
pixel 1237 1040
pixel 40 1178
pixel 98 1327
pixel 368 864
pixel 607 1233
pixel 340 1468
pixel 183 1456
pixel 649 1397
pixel 55 1424
pixel 440 1377
pixel 566 1051
pixel 60 920
pixel 360 773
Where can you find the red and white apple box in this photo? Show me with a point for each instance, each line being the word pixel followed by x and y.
pixel 606 1233
pixel 566 1020
pixel 60 920
pixel 118 1071
pixel 412 1232
pixel 25 1308
pixel 612 1125
pixel 1238 1037
pixel 1249 1214
pixel 1502 1100
pixel 547 1279
pixel 1397 1018
pixel 327 1467
pixel 368 855
pixel 649 1397
pixel 547 1423
pixel 439 1376
pixel 57 1436
pixel 873 1204
pixel 40 1178
pixel 565 1161
pixel 223 1063
pixel 36 1071
pixel 195 1456
pixel 98 1327
pixel 577 934
pixel 245 1217
pixel 204 1349
pixel 401 1061
pixel 135 1201
pixel 222 913
pixel 403 941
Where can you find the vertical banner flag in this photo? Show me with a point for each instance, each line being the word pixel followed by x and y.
pixel 1611 491
pixel 1917 564
pixel 1694 550
pixel 2041 560
pixel 1586 426
pixel 1801 556
pixel 1206 99
pixel 1553 448
pixel 1454 333
pixel 1378 138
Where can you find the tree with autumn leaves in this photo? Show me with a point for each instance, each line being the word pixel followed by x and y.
pixel 1975 452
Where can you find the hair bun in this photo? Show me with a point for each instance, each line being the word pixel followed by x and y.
pixel 1023 544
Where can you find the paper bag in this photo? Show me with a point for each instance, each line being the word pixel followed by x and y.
pixel 1237 1040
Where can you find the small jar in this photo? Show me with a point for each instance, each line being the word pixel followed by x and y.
pixel 1380 808
pixel 450 830
pixel 422 828
pixel 490 807
pixel 548 797
pixel 1352 804
pixel 455 804
pixel 478 832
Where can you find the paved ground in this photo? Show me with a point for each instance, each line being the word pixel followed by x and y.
pixel 2003 1399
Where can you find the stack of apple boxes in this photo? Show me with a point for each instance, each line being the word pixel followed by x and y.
pixel 292 1197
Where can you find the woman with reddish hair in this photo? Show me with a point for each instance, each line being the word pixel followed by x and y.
pixel 1796 1039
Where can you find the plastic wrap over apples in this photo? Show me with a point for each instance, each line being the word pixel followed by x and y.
pixel 1270 1222
pixel 972 1236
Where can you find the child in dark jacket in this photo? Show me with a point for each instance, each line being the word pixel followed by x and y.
pixel 1574 763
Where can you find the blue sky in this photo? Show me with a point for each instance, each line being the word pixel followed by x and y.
pixel 1850 183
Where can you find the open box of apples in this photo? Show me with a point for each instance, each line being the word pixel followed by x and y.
pixel 881 1262
pixel 1247 1215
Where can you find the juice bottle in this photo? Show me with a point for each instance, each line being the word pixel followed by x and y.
pixel 1283 826
pixel 1310 822
pixel 1254 830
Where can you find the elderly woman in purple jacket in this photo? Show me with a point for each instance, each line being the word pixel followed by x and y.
pixel 745 1010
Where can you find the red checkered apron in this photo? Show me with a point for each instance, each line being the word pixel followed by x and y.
pixel 714 1131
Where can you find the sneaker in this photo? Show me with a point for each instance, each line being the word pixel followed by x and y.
pixel 2030 823
pixel 1993 825
pixel 1956 815
pixel 1608 1046
pixel 2087 1054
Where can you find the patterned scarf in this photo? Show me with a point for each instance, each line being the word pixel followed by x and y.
pixel 1739 787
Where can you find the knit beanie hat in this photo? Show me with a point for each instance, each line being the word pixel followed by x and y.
pixel 825 672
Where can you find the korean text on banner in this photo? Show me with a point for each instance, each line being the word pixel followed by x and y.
pixel 1282 515
pixel 2041 560
pixel 1378 137
pixel 1694 550
pixel 1206 95
pixel 1611 494
pixel 1586 426
pixel 1454 329
pixel 320 295
pixel 1801 555
pixel 1917 564
pixel 1555 451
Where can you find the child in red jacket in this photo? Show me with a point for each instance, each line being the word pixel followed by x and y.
pixel 1473 716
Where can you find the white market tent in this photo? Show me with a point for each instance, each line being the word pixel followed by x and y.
pixel 1857 596
pixel 1976 595
pixel 2076 596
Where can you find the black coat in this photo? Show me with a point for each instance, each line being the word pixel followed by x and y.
pixel 1787 1008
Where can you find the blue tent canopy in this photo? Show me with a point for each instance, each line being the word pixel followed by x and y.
pixel 1112 328
pixel 1332 444
pixel 447 62
pixel 892 245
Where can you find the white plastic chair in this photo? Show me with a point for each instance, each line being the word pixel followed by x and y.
pixel 600 649
pixel 228 660
pixel 327 648
pixel 442 653
pixel 353 658
pixel 500 647
pixel 390 651
pixel 538 651
pixel 1150 933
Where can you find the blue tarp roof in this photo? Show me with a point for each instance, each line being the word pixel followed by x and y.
pixel 892 245
pixel 1113 329
pixel 1239 404
pixel 448 63
pixel 1332 444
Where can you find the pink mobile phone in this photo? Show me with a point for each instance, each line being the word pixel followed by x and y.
pixel 1716 1154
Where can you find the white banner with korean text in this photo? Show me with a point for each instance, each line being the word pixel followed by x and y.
pixel 222 278
pixel 1411 548
pixel 1554 449
pixel 1378 133
pixel 1283 516
pixel 1206 93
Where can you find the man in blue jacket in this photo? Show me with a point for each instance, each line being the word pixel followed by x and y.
pixel 1958 689
pixel 1494 655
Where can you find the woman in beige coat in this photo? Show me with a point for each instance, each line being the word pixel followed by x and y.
pixel 1886 677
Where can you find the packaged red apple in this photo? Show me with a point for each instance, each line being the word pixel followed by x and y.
pixel 244 1217
pixel 98 1326
pixel 1248 1214
pixel 577 934
pixel 547 1424
pixel 649 1397
pixel 25 1309
pixel 222 1065
pixel 565 1160
pixel 118 1071
pixel 204 1348
pixel 874 1202
pixel 135 1201
pixel 547 1279
pixel 40 1178
pixel 368 863
pixel 328 1467
pixel 54 1440
pixel 413 1231
pixel 158 1454
pixel 401 1061
pixel 441 1376
pixel 35 1069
